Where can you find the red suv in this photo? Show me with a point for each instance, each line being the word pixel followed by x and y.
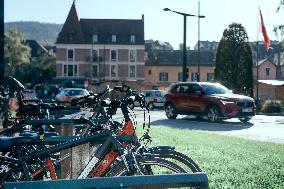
pixel 212 100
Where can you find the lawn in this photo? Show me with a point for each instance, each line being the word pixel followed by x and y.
pixel 230 162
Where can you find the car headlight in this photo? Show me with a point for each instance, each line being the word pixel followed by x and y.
pixel 226 102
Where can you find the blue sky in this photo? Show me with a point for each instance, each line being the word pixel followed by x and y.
pixel 159 25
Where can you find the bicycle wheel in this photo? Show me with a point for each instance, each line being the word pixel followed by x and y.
pixel 146 166
pixel 188 164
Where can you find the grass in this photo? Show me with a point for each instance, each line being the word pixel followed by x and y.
pixel 230 162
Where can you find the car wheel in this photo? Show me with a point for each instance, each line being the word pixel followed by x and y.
pixel 170 110
pixel 244 120
pixel 213 113
pixel 150 106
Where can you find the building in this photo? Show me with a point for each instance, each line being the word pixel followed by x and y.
pixel 269 86
pixel 37 49
pixel 165 67
pixel 207 45
pixel 100 50
pixel 151 46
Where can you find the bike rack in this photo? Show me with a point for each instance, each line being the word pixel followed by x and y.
pixel 198 180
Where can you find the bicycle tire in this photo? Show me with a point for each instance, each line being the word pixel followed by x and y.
pixel 181 159
pixel 146 166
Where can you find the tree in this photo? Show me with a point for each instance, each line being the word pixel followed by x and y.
pixel 233 67
pixel 16 52
pixel 280 28
pixel 40 70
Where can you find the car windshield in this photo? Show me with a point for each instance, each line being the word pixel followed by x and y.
pixel 210 89
pixel 73 92
pixel 29 94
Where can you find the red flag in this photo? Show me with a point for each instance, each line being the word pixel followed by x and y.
pixel 264 33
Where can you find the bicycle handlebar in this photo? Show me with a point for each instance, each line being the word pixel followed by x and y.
pixel 130 97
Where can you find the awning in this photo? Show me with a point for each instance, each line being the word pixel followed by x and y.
pixel 272 82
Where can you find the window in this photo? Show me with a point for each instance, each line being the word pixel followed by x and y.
pixel 131 71
pixel 267 71
pixel 149 72
pixel 65 70
pixel 113 70
pixel 132 38
pixel 210 76
pixel 132 55
pixel 70 70
pixel 194 76
pixel 70 54
pixel 163 76
pixel 95 56
pixel 95 38
pixel 113 55
pixel 95 71
pixel 182 88
pixel 113 38
pixel 180 76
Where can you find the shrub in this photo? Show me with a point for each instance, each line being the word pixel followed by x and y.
pixel 271 106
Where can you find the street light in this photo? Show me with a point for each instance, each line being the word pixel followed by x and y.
pixel 184 38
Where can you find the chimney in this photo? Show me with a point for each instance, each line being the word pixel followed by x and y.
pixel 142 17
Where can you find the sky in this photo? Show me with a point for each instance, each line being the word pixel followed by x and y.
pixel 159 25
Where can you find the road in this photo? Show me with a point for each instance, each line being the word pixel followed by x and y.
pixel 260 127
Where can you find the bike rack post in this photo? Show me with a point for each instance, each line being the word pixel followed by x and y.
pixel 197 180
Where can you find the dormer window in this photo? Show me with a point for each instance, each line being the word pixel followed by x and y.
pixel 132 38
pixel 95 38
pixel 113 38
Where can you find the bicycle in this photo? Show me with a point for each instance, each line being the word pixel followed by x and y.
pixel 140 160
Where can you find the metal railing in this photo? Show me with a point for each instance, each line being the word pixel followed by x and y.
pixel 196 180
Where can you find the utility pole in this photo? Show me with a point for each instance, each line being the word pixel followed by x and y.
pixel 1 42
pixel 198 44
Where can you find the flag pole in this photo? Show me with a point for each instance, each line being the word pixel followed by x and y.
pixel 257 69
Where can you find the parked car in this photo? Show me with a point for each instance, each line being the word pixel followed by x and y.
pixel 68 94
pixel 154 98
pixel 212 100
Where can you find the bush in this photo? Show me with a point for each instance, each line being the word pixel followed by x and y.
pixel 271 106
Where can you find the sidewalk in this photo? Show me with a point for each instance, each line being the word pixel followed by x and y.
pixel 270 114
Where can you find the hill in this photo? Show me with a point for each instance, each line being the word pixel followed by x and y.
pixel 45 33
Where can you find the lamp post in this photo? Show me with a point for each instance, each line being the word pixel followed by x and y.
pixel 184 77
pixel 2 42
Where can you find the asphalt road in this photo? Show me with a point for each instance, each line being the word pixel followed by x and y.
pixel 260 127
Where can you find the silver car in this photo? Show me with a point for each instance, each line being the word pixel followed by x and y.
pixel 154 98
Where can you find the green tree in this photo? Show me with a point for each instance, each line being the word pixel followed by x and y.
pixel 16 52
pixel 233 67
pixel 280 28
pixel 40 70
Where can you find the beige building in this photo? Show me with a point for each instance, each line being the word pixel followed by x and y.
pixel 165 67
pixel 269 86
